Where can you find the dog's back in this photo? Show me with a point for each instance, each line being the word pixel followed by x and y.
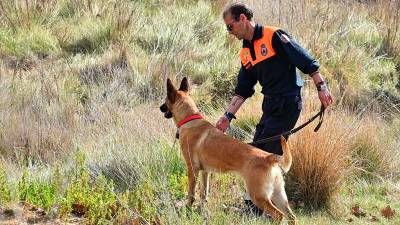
pixel 219 152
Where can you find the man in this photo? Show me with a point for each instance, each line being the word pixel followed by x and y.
pixel 269 56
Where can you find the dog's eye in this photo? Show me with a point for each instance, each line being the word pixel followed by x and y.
pixel 164 108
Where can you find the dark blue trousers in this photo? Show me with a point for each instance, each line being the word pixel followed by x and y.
pixel 280 114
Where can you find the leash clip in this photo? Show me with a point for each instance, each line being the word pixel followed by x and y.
pixel 177 133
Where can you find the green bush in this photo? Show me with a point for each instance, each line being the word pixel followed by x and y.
pixel 5 188
pixel 143 198
pixel 178 185
pixel 96 200
pixel 36 192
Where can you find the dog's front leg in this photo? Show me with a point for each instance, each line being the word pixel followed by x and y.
pixel 204 187
pixel 192 176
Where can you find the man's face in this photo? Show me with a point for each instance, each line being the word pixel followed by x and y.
pixel 234 27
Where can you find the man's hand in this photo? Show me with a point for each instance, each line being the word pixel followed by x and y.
pixel 323 91
pixel 325 98
pixel 222 124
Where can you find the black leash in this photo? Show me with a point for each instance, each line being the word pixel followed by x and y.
pixel 320 114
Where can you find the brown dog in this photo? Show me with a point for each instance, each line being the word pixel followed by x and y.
pixel 207 149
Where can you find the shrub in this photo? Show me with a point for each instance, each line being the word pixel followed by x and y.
pixel 140 198
pixel 40 193
pixel 5 188
pixel 96 200
pixel 320 160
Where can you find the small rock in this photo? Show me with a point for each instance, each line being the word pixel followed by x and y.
pixel 41 212
pixel 180 204
pixel 9 212
pixel 357 211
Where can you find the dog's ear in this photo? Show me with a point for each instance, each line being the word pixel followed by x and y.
pixel 171 91
pixel 184 85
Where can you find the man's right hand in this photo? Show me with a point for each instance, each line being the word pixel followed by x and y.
pixel 222 124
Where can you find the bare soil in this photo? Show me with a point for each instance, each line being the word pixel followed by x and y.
pixel 23 213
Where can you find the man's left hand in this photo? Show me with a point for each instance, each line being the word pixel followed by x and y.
pixel 325 98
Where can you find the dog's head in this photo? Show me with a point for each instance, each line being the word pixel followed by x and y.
pixel 177 97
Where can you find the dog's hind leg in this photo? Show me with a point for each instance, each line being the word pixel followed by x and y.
pixel 279 198
pixel 260 193
pixel 204 186
pixel 269 208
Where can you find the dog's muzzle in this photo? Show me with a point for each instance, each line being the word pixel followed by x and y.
pixel 165 110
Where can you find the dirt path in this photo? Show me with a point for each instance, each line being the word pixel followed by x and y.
pixel 27 214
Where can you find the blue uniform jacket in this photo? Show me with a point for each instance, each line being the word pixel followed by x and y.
pixel 277 74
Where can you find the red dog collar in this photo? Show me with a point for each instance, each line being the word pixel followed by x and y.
pixel 189 118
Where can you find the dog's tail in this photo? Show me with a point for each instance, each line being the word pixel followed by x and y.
pixel 286 160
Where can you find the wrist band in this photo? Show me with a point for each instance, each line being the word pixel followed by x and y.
pixel 230 116
pixel 321 86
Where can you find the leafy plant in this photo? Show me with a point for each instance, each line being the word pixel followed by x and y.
pixel 96 200
pixel 5 188
pixel 39 193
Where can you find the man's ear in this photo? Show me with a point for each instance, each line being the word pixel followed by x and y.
pixel 171 91
pixel 184 85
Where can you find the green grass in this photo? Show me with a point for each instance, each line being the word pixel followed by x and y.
pixel 372 198
pixel 89 35
pixel 36 41
pixel 5 189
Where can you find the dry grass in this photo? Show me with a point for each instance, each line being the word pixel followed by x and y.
pixel 375 150
pixel 388 13
pixel 37 121
pixel 322 160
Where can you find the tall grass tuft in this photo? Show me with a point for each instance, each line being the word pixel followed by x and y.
pixel 375 156
pixel 321 161
pixel 389 13
pixel 92 35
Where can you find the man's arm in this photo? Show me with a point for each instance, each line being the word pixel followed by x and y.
pixel 244 89
pixel 303 61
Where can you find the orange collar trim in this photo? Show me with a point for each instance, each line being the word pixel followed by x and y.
pixel 189 118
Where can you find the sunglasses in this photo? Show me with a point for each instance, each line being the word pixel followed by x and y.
pixel 229 27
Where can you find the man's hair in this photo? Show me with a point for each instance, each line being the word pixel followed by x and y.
pixel 235 9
